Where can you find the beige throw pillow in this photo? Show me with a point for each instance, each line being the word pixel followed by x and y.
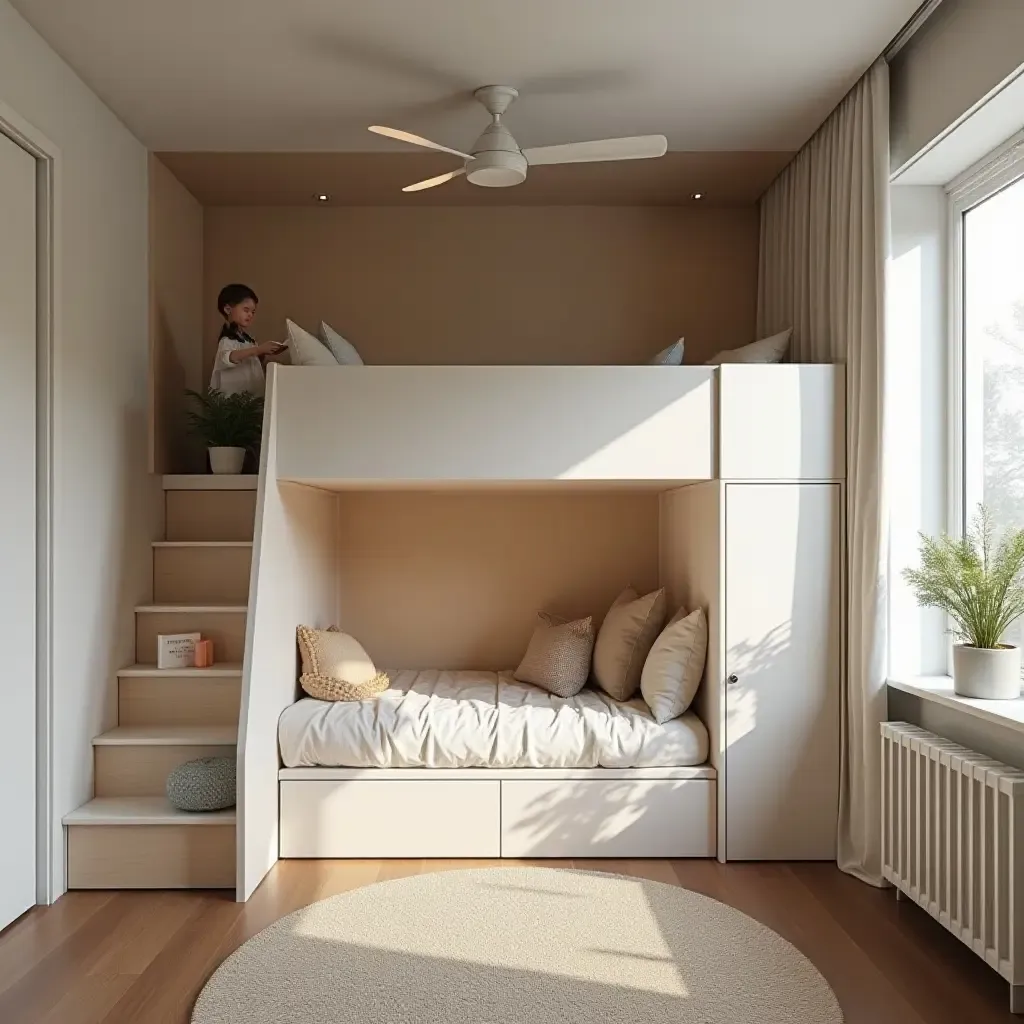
pixel 624 640
pixel 558 656
pixel 335 666
pixel 674 668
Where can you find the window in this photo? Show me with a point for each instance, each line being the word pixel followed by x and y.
pixel 988 332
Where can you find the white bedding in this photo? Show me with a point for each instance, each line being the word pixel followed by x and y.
pixel 437 719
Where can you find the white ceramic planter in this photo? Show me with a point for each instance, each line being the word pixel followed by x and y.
pixel 226 460
pixel 986 673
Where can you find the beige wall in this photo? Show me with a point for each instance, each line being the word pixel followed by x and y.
pixel 964 50
pixel 106 507
pixel 431 580
pixel 491 285
pixel 176 311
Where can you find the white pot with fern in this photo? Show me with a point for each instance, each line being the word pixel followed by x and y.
pixel 229 425
pixel 979 585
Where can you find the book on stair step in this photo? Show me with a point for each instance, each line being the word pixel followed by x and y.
pixel 176 650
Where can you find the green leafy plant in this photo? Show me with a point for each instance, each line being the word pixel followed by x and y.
pixel 226 421
pixel 978 583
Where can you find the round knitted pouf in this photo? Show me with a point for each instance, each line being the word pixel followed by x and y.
pixel 206 784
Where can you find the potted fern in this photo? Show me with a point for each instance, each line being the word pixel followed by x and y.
pixel 229 425
pixel 980 586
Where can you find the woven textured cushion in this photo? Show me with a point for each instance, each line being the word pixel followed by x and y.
pixel 624 641
pixel 558 656
pixel 335 666
pixel 767 350
pixel 675 665
pixel 206 784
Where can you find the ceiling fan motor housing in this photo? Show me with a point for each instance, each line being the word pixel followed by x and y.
pixel 497 160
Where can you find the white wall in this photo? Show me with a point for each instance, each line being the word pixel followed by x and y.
pixel 966 49
pixel 106 508
pixel 918 432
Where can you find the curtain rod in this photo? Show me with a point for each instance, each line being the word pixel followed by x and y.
pixel 917 19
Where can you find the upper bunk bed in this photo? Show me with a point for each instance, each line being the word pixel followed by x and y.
pixel 656 427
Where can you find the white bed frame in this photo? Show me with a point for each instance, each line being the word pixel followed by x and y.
pixel 685 432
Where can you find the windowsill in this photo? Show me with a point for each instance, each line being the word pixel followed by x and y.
pixel 939 690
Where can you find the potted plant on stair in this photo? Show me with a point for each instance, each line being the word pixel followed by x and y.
pixel 979 585
pixel 229 425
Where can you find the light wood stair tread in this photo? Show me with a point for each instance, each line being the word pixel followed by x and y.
pixel 209 482
pixel 202 543
pixel 142 810
pixel 158 609
pixel 226 669
pixel 168 736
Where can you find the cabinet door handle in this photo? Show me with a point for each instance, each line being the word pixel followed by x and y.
pixel 734 679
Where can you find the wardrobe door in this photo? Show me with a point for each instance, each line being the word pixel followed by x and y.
pixel 783 666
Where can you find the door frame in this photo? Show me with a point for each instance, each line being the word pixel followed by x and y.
pixel 49 833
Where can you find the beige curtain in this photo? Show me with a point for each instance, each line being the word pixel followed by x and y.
pixel 824 244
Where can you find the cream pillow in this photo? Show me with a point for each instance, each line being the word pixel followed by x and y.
pixel 673 669
pixel 671 356
pixel 767 350
pixel 335 666
pixel 343 351
pixel 305 349
pixel 624 640
pixel 558 656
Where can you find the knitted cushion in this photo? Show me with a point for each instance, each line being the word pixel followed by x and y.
pixel 206 784
pixel 335 666
pixel 558 656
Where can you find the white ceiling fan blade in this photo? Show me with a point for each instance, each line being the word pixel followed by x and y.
pixel 431 182
pixel 636 147
pixel 416 140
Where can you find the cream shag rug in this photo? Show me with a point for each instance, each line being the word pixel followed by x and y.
pixel 517 946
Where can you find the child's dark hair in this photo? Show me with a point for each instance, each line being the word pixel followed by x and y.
pixel 233 294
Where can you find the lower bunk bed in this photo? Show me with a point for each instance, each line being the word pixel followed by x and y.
pixel 477 764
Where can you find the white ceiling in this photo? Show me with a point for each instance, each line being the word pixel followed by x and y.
pixel 272 75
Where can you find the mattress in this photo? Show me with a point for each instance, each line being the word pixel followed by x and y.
pixel 438 719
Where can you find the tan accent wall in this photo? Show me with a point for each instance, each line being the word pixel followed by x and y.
pixel 432 580
pixel 176 318
pixel 520 285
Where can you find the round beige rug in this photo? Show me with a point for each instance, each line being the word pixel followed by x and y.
pixel 522 945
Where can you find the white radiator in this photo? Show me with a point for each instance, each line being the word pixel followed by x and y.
pixel 953 840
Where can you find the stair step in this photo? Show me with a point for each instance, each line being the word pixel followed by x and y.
pixel 215 515
pixel 168 736
pixel 224 624
pixel 170 698
pixel 144 843
pixel 142 810
pixel 210 482
pixel 201 572
pixel 219 671
pixel 202 543
pixel 197 609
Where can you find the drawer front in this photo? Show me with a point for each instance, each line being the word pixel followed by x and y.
pixel 617 818
pixel 361 818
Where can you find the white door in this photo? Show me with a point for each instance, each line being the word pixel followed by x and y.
pixel 17 530
pixel 783 649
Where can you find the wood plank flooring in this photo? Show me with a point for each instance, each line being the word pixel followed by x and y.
pixel 142 957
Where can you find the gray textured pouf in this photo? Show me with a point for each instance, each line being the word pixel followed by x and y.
pixel 206 784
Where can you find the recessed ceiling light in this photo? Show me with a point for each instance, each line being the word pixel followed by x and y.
pixel 323 197
pixel 697 195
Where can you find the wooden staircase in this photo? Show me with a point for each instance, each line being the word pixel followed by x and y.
pixel 128 836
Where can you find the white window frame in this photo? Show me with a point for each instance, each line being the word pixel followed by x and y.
pixel 997 171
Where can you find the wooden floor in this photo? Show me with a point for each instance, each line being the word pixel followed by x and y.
pixel 142 957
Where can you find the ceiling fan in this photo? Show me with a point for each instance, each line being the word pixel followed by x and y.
pixel 496 161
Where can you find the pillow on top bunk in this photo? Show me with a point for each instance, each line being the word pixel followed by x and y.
pixel 335 666
pixel 673 669
pixel 767 350
pixel 624 641
pixel 671 356
pixel 343 351
pixel 558 656
pixel 305 349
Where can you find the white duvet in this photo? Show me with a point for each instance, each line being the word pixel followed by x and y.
pixel 437 719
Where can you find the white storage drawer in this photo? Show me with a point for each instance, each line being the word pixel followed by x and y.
pixel 360 818
pixel 617 818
